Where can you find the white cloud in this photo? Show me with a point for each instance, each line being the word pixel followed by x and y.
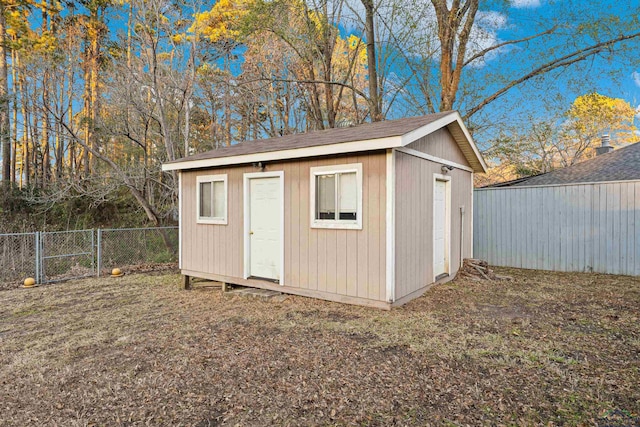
pixel 525 4
pixel 636 79
pixel 398 17
pixel 491 19
pixel 484 35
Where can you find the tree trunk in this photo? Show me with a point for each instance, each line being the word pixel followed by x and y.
pixel 24 159
pixel 5 137
pixel 452 29
pixel 14 134
pixel 44 147
pixel 374 99
pixel 87 112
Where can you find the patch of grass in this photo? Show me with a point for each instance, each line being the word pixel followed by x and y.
pixel 545 348
pixel 25 312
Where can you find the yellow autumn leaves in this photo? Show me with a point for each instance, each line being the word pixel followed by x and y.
pixel 594 114
pixel 223 21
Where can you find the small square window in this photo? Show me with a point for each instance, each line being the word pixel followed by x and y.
pixel 336 200
pixel 212 199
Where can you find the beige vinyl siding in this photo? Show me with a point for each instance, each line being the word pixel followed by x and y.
pixel 343 262
pixel 414 221
pixel 440 144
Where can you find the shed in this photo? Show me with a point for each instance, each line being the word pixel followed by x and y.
pixel 369 215
pixel 580 218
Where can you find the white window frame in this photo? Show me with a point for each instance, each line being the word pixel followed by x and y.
pixel 336 223
pixel 206 219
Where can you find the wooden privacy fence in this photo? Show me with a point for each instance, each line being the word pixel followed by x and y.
pixel 592 227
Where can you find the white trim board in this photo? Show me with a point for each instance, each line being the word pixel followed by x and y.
pixel 247 220
pixel 294 153
pixel 473 145
pixel 180 219
pixel 425 156
pixel 416 134
pixel 453 117
pixel 471 216
pixel 390 222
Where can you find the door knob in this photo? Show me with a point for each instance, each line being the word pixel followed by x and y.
pixel 251 232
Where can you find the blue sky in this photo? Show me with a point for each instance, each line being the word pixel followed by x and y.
pixel 617 76
pixel 501 20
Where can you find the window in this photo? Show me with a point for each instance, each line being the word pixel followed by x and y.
pixel 336 196
pixel 212 199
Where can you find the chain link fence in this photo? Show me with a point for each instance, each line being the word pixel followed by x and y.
pixel 67 255
pixel 62 255
pixel 18 256
pixel 136 248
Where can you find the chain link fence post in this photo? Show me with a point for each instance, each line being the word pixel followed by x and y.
pixel 36 258
pixel 99 252
pixel 93 249
pixel 41 258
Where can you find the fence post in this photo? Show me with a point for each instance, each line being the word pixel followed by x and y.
pixel 99 254
pixel 36 245
pixel 42 262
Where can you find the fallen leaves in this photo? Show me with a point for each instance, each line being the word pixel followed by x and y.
pixel 543 348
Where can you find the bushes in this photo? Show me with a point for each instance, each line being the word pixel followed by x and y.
pixel 25 210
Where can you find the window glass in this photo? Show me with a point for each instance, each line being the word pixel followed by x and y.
pixel 348 196
pixel 212 199
pixel 336 196
pixel 326 196
pixel 205 199
pixel 219 200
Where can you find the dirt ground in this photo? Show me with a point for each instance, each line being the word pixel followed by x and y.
pixel 543 349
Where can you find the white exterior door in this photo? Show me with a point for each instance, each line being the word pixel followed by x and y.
pixel 265 208
pixel 440 232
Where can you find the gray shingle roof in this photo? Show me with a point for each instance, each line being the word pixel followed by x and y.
pixel 366 131
pixel 622 164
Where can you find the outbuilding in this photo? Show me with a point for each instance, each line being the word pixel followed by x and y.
pixel 369 215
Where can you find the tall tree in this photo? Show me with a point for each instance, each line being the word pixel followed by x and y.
pixel 457 19
pixel 5 136
pixel 372 65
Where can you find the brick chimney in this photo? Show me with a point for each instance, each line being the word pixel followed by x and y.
pixel 605 147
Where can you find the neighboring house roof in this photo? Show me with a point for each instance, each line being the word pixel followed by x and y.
pixel 365 137
pixel 622 164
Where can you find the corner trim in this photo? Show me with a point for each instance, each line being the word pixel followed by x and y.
pixel 179 219
pixel 471 220
pixel 391 226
